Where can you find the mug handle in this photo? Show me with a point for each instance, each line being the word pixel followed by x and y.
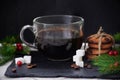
pixel 22 35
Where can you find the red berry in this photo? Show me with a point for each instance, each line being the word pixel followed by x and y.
pixel 115 53
pixel 18 44
pixel 20 48
pixel 111 53
pixel 19 63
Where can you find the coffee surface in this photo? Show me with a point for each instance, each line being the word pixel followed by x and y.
pixel 58 43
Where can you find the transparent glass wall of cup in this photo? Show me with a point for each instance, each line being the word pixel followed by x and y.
pixel 56 36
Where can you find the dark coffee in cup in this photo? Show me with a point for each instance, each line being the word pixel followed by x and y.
pixel 58 43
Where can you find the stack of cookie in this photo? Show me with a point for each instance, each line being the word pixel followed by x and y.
pixel 99 43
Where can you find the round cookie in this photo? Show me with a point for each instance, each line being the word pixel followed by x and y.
pixel 103 46
pixel 94 39
pixel 96 51
pixel 91 56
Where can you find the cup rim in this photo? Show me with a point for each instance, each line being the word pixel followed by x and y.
pixel 79 21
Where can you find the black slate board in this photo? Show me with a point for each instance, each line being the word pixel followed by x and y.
pixel 47 68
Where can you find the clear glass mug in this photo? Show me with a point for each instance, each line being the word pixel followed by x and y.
pixel 56 36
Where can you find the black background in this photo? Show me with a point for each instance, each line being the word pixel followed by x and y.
pixel 14 14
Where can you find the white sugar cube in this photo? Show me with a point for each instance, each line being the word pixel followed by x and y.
pixel 19 59
pixel 27 59
pixel 77 58
pixel 80 52
pixel 74 58
pixel 80 63
pixel 80 58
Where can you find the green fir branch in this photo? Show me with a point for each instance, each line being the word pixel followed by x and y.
pixel 116 36
pixel 105 62
pixel 8 49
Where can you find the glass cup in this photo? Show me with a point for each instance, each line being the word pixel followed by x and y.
pixel 56 36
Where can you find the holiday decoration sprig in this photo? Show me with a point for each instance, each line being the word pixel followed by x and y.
pixel 9 46
pixel 117 36
pixel 11 39
pixel 109 63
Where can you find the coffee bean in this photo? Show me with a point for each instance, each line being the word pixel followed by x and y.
pixel 14 70
pixel 85 65
pixel 74 66
pixel 89 66
pixel 34 65
pixel 30 66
